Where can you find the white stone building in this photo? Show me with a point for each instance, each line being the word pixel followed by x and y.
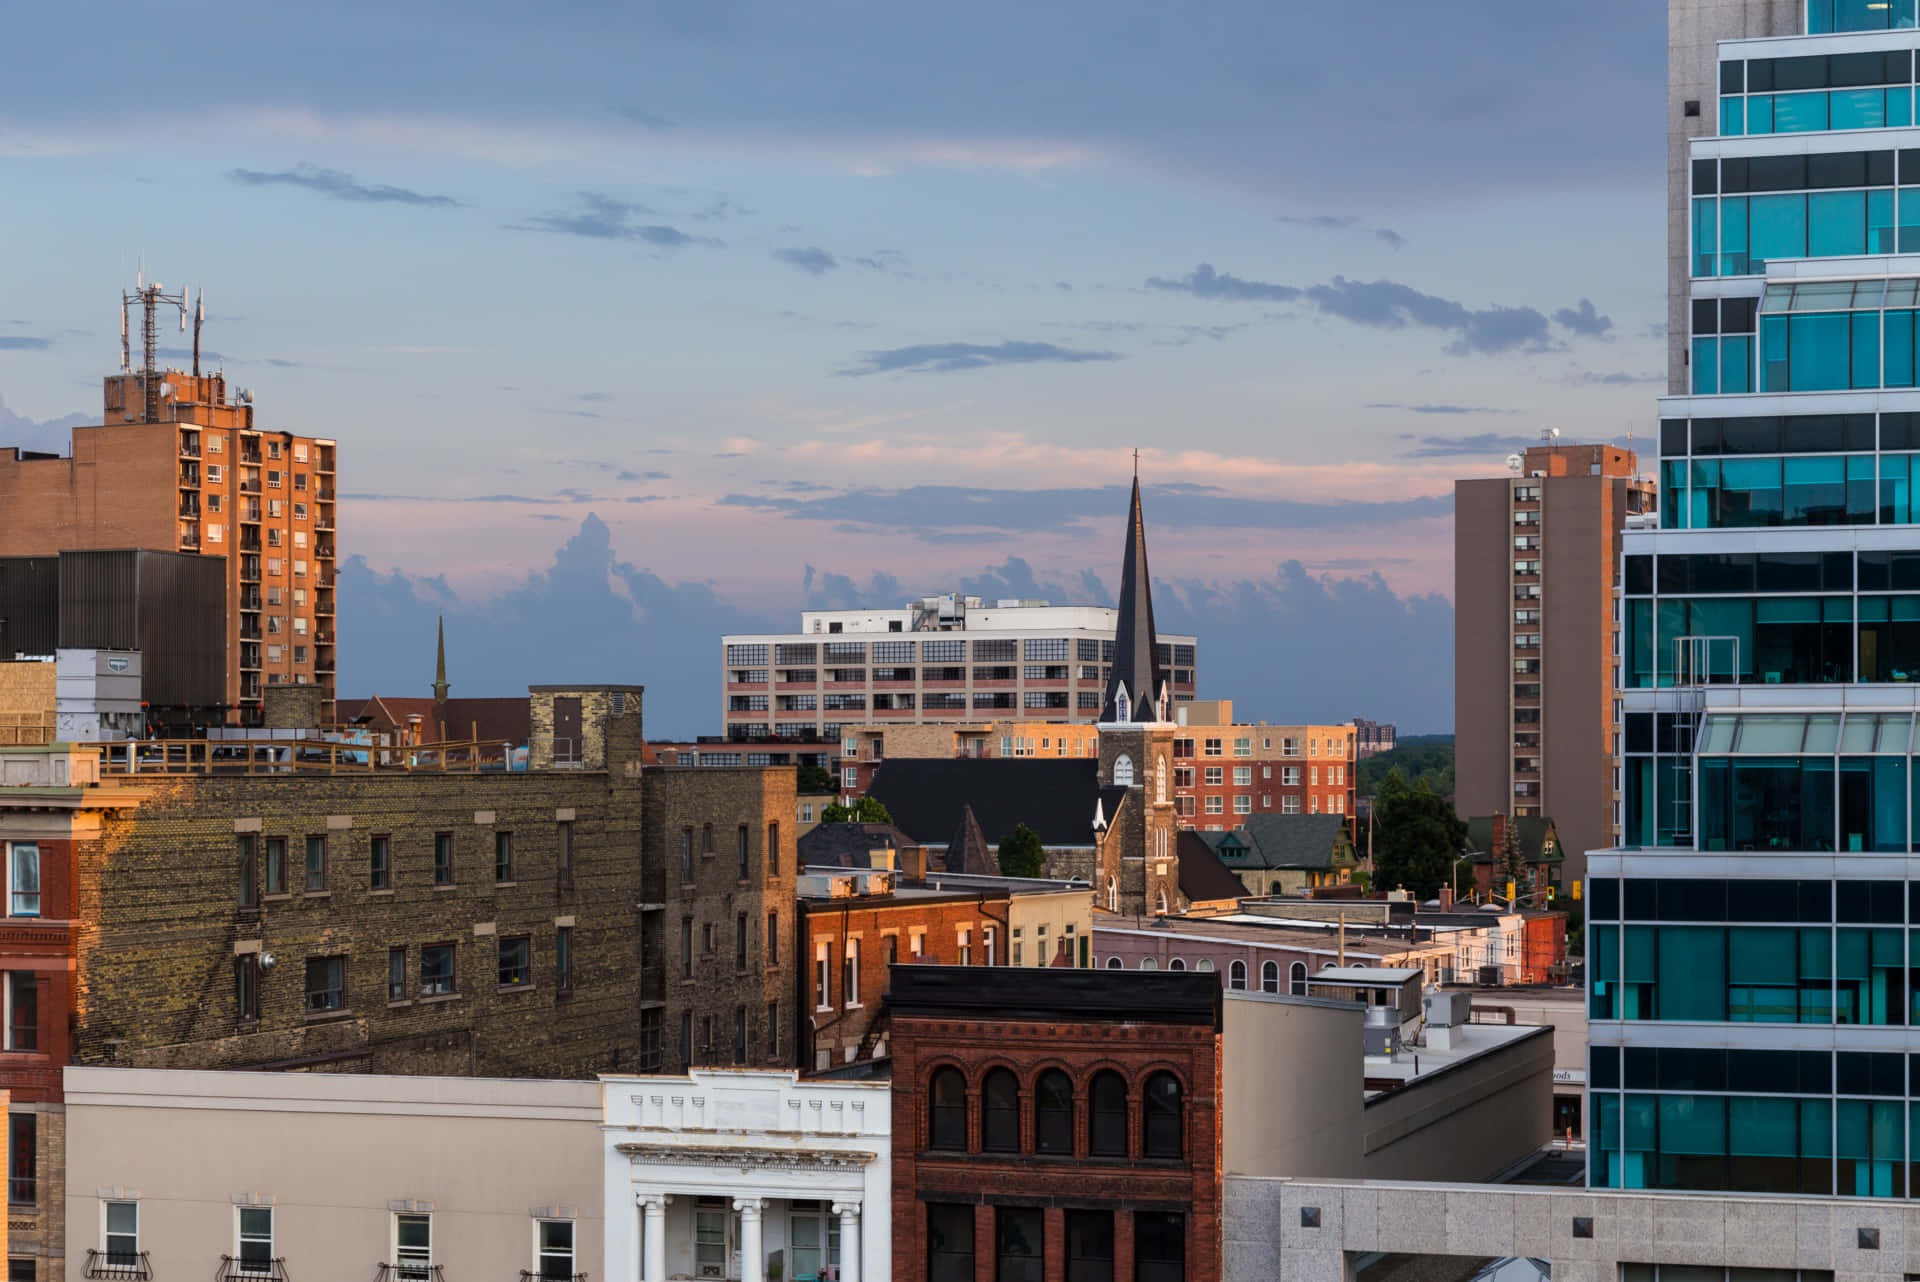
pixel 747 1175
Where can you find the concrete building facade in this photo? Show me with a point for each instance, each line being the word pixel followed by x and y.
pixel 1536 565
pixel 187 470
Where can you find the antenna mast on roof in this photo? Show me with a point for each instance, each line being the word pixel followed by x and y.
pixel 152 298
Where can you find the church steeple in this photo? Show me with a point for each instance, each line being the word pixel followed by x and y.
pixel 440 686
pixel 1134 687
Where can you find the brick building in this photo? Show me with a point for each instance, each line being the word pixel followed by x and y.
pixel 176 466
pixel 291 908
pixel 1047 1122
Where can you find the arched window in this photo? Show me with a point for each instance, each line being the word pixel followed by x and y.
pixel 947 1127
pixel 1000 1112
pixel 1148 963
pixel 1114 963
pixel 1176 964
pixel 1204 965
pixel 1107 1131
pixel 1269 977
pixel 1297 979
pixel 1164 1118
pixel 1053 1113
pixel 1123 769
pixel 1237 974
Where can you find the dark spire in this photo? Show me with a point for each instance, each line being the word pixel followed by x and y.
pixel 967 848
pixel 440 665
pixel 1136 648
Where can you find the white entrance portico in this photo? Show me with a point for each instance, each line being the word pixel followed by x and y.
pixel 746 1176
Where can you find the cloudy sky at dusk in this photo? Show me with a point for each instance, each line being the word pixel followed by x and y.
pixel 640 320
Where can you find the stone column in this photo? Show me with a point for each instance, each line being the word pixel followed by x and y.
pixel 849 1213
pixel 753 1257
pixel 653 1267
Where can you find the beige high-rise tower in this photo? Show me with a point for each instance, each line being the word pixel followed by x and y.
pixel 1536 557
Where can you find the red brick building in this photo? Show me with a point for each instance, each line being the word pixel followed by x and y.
pixel 1055 1124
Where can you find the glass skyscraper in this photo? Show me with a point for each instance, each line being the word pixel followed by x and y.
pixel 1754 942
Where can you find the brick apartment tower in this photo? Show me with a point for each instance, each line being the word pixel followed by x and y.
pixel 1052 1123
pixel 1536 563
pixel 175 465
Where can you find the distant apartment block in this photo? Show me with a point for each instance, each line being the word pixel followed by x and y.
pixel 941 658
pixel 179 467
pixel 1536 638
pixel 1371 738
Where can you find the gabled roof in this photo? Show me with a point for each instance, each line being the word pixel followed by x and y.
pixel 848 845
pixel 1284 841
pixel 1055 798
pixel 510 719
pixel 967 848
pixel 1534 834
pixel 1136 649
pixel 1203 878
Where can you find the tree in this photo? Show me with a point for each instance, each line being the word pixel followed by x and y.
pixel 864 810
pixel 1021 854
pixel 1417 836
pixel 817 779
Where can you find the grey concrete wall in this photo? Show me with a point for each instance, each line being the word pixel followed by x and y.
pixel 1291 1086
pixel 1266 1241
pixel 1482 645
pixel 1470 1122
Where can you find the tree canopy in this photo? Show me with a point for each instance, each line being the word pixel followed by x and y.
pixel 1021 854
pixel 864 810
pixel 1417 836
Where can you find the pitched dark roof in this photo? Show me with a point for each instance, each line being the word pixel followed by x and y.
pixel 1055 798
pixel 1533 834
pixel 1287 841
pixel 967 848
pixel 848 845
pixel 1136 649
pixel 1203 878
pixel 1055 994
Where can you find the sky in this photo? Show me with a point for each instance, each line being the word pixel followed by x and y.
pixel 641 321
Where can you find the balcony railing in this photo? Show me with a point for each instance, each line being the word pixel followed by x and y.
pixel 133 1266
pixel 234 1270
pixel 409 1273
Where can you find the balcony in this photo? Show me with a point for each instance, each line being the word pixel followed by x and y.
pixel 131 1266
pixel 232 1270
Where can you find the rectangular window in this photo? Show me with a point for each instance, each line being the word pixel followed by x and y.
pixel 516 961
pixel 949 1242
pixel 379 868
pixel 247 873
pixel 256 1240
pixel 563 858
pixel 23 1158
pixel 397 974
pixel 563 958
pixel 502 856
pixel 850 973
pixel 316 863
pixel 436 970
pixel 326 984
pixel 122 1240
pixel 23 880
pixel 443 859
pixel 1019 1235
pixel 246 987
pixel 553 1256
pixel 413 1247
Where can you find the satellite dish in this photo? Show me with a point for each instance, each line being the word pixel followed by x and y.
pixel 1515 463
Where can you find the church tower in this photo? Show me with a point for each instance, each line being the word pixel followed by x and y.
pixel 1139 868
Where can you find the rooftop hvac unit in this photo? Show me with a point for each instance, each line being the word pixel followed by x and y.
pixel 1380 1034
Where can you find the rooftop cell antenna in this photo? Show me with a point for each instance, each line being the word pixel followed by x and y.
pixel 151 298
